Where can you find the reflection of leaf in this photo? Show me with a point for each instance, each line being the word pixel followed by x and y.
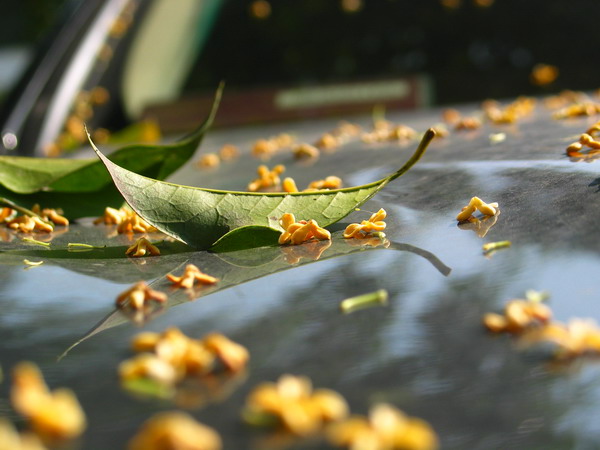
pixel 239 267
pixel 108 261
pixel 200 217
pixel 82 187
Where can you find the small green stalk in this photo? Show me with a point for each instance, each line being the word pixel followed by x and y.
pixel 377 298
pixel 86 246
pixel 491 247
pixel 36 242
pixel 32 263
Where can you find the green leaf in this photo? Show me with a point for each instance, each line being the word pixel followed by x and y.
pixel 82 187
pixel 201 217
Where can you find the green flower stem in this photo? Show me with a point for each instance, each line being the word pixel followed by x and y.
pixel 363 301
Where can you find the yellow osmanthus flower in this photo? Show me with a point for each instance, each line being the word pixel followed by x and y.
pixel 577 338
pixel 384 131
pixel 5 213
pixel 171 356
pixel 55 415
pixel 487 209
pixel 229 152
pixel 305 150
pixel 132 223
pixel 265 148
pixel 587 146
pixel 386 428
pixel 50 214
pixel 233 355
pixel 543 74
pixel 294 404
pixel 521 107
pixel 564 98
pixel 344 132
pixel 11 439
pixel 191 274
pixel 142 247
pixel 28 224
pixel 266 178
pixel 328 141
pixel 208 160
pixel 366 227
pixel 519 315
pixel 468 123
pixel 137 296
pixel 330 182
pixel 298 232
pixel 127 221
pixel 289 185
pixel 111 216
pixel 175 431
pixel 451 116
pixel 585 108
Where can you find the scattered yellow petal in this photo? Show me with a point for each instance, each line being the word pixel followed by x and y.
pixel 191 274
pixel 233 355
pixel 298 232
pixel 266 178
pixel 5 213
pixel 28 224
pixel 228 152
pixel 519 316
pixel 331 182
pixel 586 108
pixel 49 214
pixel 142 247
pixel 293 404
pixel 175 431
pixel 171 356
pixel 111 216
pixel 364 229
pixel 289 185
pixel 467 123
pixel 385 428
pixel 54 415
pixel 208 160
pixel 543 74
pixel 11 439
pixel 306 151
pixel 487 209
pixel 137 296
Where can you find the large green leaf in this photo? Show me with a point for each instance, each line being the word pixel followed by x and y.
pixel 82 187
pixel 201 217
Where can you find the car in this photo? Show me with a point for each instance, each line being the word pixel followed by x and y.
pixel 422 348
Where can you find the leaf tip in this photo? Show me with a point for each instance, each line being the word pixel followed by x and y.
pixel 90 139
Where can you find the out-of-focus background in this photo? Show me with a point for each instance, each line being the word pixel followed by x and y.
pixel 111 63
